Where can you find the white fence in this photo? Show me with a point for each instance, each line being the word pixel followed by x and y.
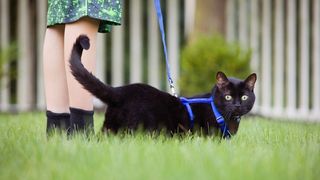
pixel 138 38
pixel 284 36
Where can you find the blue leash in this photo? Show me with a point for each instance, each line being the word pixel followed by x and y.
pixel 160 20
pixel 186 102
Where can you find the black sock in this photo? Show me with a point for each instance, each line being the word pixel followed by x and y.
pixel 81 120
pixel 57 122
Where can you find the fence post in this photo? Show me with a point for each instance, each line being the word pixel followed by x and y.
pixel 173 38
pixel 153 44
pixel 25 61
pixel 189 16
pixel 41 27
pixel 304 57
pixel 291 57
pixel 266 57
pixel 135 41
pixel 316 58
pixel 100 63
pixel 231 36
pixel 4 44
pixel 243 23
pixel 101 56
pixel 254 44
pixel 117 56
pixel 117 53
pixel 278 47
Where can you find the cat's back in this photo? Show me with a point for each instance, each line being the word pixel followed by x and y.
pixel 143 92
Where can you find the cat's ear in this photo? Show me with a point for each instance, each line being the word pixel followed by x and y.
pixel 222 79
pixel 250 81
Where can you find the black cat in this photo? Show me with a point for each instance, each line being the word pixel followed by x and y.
pixel 140 105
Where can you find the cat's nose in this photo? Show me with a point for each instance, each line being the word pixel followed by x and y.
pixel 237 105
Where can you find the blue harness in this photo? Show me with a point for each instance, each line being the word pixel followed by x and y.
pixel 219 118
pixel 186 102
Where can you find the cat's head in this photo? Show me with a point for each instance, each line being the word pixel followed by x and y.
pixel 234 97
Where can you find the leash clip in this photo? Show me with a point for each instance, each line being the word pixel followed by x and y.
pixel 173 91
pixel 172 88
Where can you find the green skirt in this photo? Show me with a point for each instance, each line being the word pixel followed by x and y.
pixel 67 11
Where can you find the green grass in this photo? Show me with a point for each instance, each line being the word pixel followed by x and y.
pixel 262 149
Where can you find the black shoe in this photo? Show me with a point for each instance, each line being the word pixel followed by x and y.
pixel 59 122
pixel 81 121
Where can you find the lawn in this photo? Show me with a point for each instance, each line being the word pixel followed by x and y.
pixel 262 149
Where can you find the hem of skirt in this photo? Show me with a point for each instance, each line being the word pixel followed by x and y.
pixel 103 22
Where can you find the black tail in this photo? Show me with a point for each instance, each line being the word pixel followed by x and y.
pixel 97 88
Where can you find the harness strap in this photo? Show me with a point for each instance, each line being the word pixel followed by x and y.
pixel 163 37
pixel 219 118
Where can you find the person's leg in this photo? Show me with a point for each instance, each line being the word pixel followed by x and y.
pixel 55 80
pixel 80 100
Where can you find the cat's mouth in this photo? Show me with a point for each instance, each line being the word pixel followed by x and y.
pixel 239 111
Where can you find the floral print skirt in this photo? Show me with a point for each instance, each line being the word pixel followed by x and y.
pixel 68 11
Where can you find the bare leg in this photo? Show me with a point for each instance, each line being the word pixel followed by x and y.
pixel 55 80
pixel 79 97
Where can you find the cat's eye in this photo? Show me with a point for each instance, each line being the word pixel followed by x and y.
pixel 244 97
pixel 228 97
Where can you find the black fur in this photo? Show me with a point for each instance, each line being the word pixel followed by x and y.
pixel 140 105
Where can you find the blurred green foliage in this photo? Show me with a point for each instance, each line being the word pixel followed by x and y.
pixel 7 55
pixel 203 58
